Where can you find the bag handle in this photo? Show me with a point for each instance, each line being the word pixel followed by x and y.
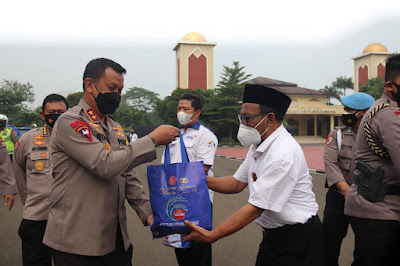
pixel 167 156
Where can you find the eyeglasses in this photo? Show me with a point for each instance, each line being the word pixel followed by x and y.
pixel 244 119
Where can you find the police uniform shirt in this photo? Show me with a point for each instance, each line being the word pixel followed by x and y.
pixel 279 182
pixel 385 130
pixel 93 175
pixel 201 145
pixel 7 179
pixel 340 166
pixel 33 173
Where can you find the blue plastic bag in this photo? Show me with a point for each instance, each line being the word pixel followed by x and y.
pixel 178 192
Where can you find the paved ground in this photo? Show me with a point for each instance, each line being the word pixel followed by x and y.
pixel 238 249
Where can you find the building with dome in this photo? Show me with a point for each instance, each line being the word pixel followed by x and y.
pixel 194 62
pixel 370 64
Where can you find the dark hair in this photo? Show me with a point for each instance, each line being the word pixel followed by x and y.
pixel 96 68
pixel 392 67
pixel 196 101
pixel 54 98
pixel 265 110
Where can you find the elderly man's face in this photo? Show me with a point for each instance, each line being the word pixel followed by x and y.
pixel 250 114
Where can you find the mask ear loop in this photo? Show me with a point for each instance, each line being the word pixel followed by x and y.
pixel 260 123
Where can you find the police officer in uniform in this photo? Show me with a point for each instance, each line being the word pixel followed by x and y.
pixel 7 180
pixel 339 167
pixel 93 170
pixel 201 145
pixel 373 201
pixel 33 174
pixel 281 198
pixel 9 135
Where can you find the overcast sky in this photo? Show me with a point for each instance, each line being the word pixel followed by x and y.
pixel 306 42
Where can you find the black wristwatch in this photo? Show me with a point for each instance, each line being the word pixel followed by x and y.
pixel 154 141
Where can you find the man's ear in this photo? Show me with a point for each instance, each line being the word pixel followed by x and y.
pixel 197 113
pixel 388 86
pixel 88 85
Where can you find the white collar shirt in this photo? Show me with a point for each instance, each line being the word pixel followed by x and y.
pixel 201 145
pixel 279 181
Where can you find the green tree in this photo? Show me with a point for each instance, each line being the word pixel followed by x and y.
pixel 374 87
pixel 74 98
pixel 334 93
pixel 141 99
pixel 223 108
pixel 13 99
pixel 343 83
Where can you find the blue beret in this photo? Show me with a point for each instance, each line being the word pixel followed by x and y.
pixel 358 101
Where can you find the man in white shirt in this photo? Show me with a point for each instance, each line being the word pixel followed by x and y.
pixel 133 136
pixel 281 198
pixel 201 145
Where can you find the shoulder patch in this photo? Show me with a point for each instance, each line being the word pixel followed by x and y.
pixel 17 145
pixel 82 128
pixel 397 112
pixel 329 139
pixel 2 144
pixel 92 115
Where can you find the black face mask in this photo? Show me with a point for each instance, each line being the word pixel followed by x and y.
pixel 349 119
pixel 51 119
pixel 2 124
pixel 396 96
pixel 107 102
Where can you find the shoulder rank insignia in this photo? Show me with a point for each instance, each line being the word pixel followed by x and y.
pixel 92 115
pixel 45 131
pixel 83 129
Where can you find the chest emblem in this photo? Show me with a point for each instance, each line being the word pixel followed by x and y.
pixel 39 165
pixel 107 147
pixel 38 137
pixel 92 115
pixel 43 155
pixel 39 142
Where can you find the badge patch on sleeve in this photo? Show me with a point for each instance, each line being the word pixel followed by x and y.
pixel 329 139
pixel 83 129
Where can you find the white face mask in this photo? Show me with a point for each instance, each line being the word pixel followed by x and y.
pixel 184 118
pixel 250 135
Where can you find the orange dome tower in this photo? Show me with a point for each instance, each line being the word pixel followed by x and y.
pixel 370 64
pixel 194 62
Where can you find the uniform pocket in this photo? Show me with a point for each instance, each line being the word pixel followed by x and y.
pixel 39 162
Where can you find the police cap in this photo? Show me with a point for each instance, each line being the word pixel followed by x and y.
pixel 358 101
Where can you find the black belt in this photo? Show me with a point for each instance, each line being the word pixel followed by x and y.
pixel 309 221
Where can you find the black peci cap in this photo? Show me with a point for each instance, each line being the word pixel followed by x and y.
pixel 266 96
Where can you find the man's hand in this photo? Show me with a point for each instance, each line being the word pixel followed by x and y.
pixel 198 234
pixel 164 134
pixel 150 220
pixel 9 200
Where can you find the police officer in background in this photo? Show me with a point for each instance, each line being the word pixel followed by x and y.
pixel 339 168
pixel 373 201
pixel 9 135
pixel 33 174
pixel 93 170
pixel 7 180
